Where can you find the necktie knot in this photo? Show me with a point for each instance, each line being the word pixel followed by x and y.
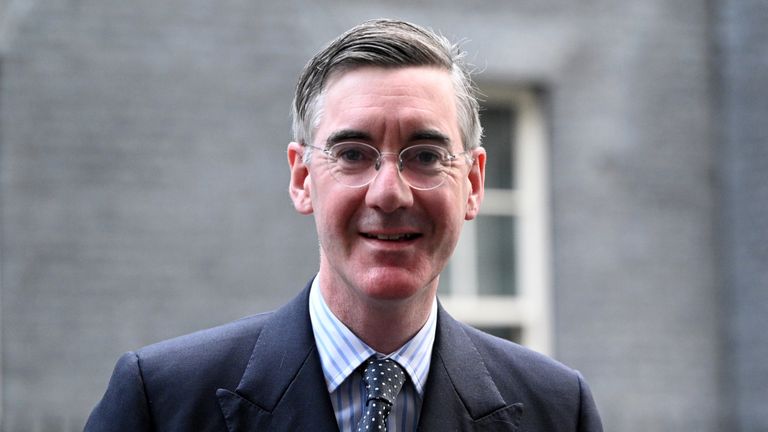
pixel 383 380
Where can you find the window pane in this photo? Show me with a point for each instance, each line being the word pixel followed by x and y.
pixel 513 334
pixel 498 125
pixel 496 255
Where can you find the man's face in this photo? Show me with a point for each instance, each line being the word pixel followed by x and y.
pixel 387 241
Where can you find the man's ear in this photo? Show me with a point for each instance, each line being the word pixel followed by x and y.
pixel 476 179
pixel 301 183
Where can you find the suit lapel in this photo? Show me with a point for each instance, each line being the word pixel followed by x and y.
pixel 283 386
pixel 460 393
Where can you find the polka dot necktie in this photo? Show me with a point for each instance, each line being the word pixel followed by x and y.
pixel 383 380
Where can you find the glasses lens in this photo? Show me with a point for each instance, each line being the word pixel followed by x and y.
pixel 353 164
pixel 356 164
pixel 424 166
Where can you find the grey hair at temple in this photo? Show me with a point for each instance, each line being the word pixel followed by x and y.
pixel 389 44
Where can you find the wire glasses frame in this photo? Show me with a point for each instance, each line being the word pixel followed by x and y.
pixel 421 166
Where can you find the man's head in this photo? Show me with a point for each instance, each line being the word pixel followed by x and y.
pixel 387 44
pixel 389 206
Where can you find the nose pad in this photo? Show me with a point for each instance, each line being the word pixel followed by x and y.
pixel 380 167
pixel 388 191
pixel 399 161
pixel 398 165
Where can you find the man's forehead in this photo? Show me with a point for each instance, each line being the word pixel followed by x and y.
pixel 341 71
pixel 367 103
pixel 415 86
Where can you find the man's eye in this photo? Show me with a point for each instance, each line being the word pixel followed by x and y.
pixel 428 157
pixel 351 155
pixel 425 157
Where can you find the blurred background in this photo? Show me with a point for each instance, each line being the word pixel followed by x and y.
pixel 143 188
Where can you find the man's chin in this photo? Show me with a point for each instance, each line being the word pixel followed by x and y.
pixel 395 285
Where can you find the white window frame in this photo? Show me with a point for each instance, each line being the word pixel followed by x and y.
pixel 530 309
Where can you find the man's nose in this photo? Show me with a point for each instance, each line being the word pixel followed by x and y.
pixel 388 191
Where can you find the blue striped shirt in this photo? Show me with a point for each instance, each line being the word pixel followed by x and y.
pixel 341 353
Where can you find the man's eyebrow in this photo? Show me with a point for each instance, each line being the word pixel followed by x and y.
pixel 431 135
pixel 347 135
pixel 434 136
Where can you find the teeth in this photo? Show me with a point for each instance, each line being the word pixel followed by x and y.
pixel 391 237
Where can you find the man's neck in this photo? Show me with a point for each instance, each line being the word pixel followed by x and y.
pixel 384 325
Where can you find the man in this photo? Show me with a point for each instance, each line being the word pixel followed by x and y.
pixel 387 157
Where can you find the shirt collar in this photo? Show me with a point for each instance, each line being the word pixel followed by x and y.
pixel 341 351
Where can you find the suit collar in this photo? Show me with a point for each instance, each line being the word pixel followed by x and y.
pixel 283 369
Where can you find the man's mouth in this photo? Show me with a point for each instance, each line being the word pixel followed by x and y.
pixel 392 237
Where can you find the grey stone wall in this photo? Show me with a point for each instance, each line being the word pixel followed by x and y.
pixel 743 109
pixel 143 187
pixel 635 270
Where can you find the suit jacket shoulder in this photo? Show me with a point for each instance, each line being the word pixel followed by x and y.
pixel 250 375
pixel 171 385
pixel 498 385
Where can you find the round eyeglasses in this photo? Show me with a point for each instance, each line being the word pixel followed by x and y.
pixel 421 166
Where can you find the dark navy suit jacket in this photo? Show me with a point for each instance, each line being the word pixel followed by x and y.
pixel 263 373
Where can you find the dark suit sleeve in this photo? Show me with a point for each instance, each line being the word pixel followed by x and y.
pixel 124 406
pixel 589 419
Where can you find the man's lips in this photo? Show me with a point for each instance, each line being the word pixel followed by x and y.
pixel 397 227
pixel 391 237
